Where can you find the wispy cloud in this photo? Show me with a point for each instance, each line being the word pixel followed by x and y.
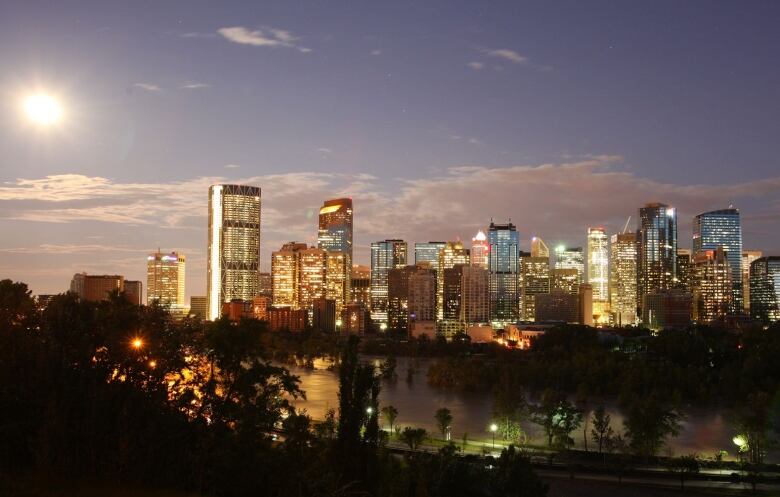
pixel 232 166
pixel 194 86
pixel 376 52
pixel 47 248
pixel 263 37
pixel 147 87
pixel 324 150
pixel 508 55
pixel 476 65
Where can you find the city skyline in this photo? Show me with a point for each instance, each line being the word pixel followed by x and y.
pixel 496 112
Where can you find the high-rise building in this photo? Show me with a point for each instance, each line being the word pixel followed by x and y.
pixel 586 304
pixel 765 289
pixel 539 248
pixel 422 295
pixel 234 245
pixel 598 263
pixel 398 297
pixel 324 314
pixel 165 280
pixel 566 280
pixel 667 309
pixel 722 228
pixel 265 284
pixel 338 270
pixel 452 254
pixel 712 285
pixel 748 256
pixel 134 292
pixel 535 277
pixel 312 264
pixel 96 287
pixel 199 306
pixel 567 258
pixel 557 306
pixel 451 279
pixel 360 286
pixel 504 267
pixel 475 301
pixel 480 250
pixel 284 275
pixel 622 279
pixel 335 235
pixel 656 251
pixel 428 252
pixel 684 269
pixel 385 255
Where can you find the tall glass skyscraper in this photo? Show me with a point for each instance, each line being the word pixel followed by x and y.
pixel 234 245
pixel 165 280
pixel 598 263
pixel 570 258
pixel 428 252
pixel 765 289
pixel 504 267
pixel 722 228
pixel 656 239
pixel 451 255
pixel 480 250
pixel 335 237
pixel 622 279
pixel 385 255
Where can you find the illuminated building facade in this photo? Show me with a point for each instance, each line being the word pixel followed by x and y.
pixel 722 228
pixel 565 280
pixel 96 287
pixel 598 264
pixel 480 250
pixel 684 269
pixel 452 254
pixel 656 251
pixel 451 287
pixel 234 245
pixel 765 289
pixel 748 256
pixel 539 248
pixel 265 284
pixel 338 270
pixel 284 275
pixel 504 267
pixel 165 280
pixel 360 285
pixel 475 301
pixel 335 236
pixel 312 264
pixel 535 278
pixel 712 285
pixel 385 255
pixel 199 306
pixel 422 295
pixel 570 258
pixel 398 297
pixel 428 252
pixel 622 279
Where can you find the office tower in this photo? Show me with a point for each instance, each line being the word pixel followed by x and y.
pixel 398 297
pixel 565 280
pixel 480 250
pixel 338 271
pixel 324 314
pixel 260 306
pixel 667 309
pixel 475 301
pixel 385 255
pixel 452 254
pixel 451 280
pixel 684 269
pixel 360 285
pixel 622 278
pixel 234 245
pixel 765 289
pixel 284 275
pixel 96 287
pixel 265 284
pixel 712 285
pixel 134 292
pixel 722 228
pixel 422 295
pixel 312 264
pixel 598 263
pixel 199 307
pixel 355 319
pixel 586 304
pixel 557 306
pixel 165 280
pixel 567 258
pixel 504 267
pixel 535 278
pixel 428 252
pixel 748 256
pixel 539 248
pixel 656 240
pixel 335 235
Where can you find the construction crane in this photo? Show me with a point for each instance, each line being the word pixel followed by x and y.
pixel 626 226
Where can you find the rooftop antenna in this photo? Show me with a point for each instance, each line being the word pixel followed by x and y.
pixel 626 226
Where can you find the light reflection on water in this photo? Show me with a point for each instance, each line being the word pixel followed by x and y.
pixel 703 431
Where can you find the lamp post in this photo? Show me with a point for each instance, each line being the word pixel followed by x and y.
pixel 493 428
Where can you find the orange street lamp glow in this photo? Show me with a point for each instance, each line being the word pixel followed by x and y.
pixel 137 343
pixel 152 364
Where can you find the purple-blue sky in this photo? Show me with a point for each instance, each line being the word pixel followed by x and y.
pixel 434 116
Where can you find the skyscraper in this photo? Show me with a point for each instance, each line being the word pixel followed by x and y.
pixel 428 252
pixel 622 279
pixel 234 245
pixel 712 285
pixel 765 289
pixel 566 280
pixel 284 275
pixel 722 228
pixel 398 297
pixel 337 272
pixel 539 248
pixel 656 250
pixel 535 277
pixel 385 255
pixel 598 264
pixel 422 295
pixel 684 269
pixel 452 254
pixel 480 250
pixel 165 280
pixel 360 285
pixel 475 302
pixel 335 235
pixel 570 258
pixel 312 264
pixel 748 256
pixel 450 322
pixel 504 267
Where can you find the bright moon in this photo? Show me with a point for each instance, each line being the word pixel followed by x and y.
pixel 42 109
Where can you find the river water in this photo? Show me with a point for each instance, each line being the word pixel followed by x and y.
pixel 703 432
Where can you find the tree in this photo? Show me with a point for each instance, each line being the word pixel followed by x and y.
pixel 752 425
pixel 413 437
pixel 558 418
pixel 514 476
pixel 443 420
pixel 648 423
pixel 601 432
pixel 390 413
pixel 509 406
pixel 685 466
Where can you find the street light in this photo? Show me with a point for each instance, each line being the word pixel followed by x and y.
pixel 369 410
pixel 493 429
pixel 137 343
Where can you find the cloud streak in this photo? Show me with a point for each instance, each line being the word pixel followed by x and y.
pixel 262 37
